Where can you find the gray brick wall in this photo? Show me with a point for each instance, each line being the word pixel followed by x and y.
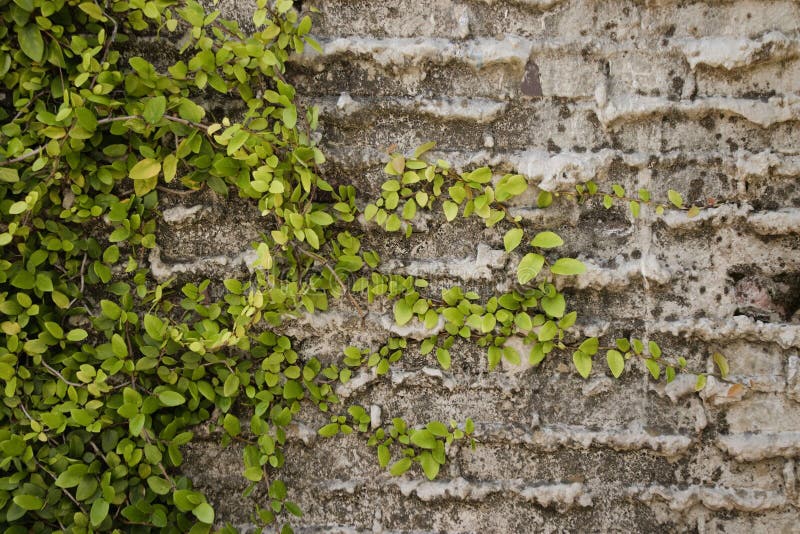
pixel 701 97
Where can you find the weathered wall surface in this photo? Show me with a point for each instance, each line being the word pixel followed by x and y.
pixel 701 97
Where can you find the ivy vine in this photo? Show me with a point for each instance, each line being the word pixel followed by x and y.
pixel 105 372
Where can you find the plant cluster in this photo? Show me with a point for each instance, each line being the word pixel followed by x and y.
pixel 106 374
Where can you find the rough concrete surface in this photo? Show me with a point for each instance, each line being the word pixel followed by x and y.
pixel 701 97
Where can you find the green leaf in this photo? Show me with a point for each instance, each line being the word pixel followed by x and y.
pixel 548 331
pixel 437 428
pixel 655 350
pixel 547 240
pixel 154 109
pixel 9 175
pixel 554 306
pixel 231 424
pixel 400 467
pixel 512 239
pixel 450 210
pixel 523 321
pixel 425 147
pixel 568 266
pixel 290 117
pixel 443 357
pixel 675 198
pixel 536 355
pixel 292 390
pixel 231 385
pixel 383 455
pixel 529 267
pixel 583 363
pixel 99 511
pixel 204 512
pixel 700 383
pixel 510 185
pixel 31 42
pixel 482 175
pixel 136 424
pixel 402 312
pixel 589 346
pixel 171 398
pixel 429 465
pixel 153 326
pixel 721 363
pixel 145 169
pixel 28 502
pixel 653 367
pixel 18 207
pixel 329 430
pixel 616 363
pixel 321 218
pixel 423 438
pixel 634 206
pixel 160 486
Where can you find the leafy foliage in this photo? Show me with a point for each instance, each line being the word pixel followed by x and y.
pixel 106 374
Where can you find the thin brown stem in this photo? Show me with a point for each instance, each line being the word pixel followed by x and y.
pixel 23 157
pixel 60 376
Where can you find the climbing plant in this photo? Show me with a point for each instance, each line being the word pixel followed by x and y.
pixel 105 372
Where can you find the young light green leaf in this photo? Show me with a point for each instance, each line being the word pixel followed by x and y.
pixel 154 109
pixel 402 312
pixel 583 363
pixel 145 169
pixel 98 512
pixel 568 266
pixel 171 398
pixel 554 306
pixel 616 363
pixel 512 239
pixel 675 198
pixel 443 357
pixel 329 430
pixel 423 438
pixel 722 364
pixel 450 210
pixel 700 383
pixel 653 367
pixel 529 267
pixel 429 466
pixel 204 512
pixel 400 467
pixel 655 350
pixel 547 240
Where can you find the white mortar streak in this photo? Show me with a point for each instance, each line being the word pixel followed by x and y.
pixel 561 496
pixel 713 498
pixel 180 214
pixel 162 271
pixel 477 109
pixel 735 52
pixel 469 268
pixel 754 447
pixel 737 327
pixel 626 108
pixel 555 437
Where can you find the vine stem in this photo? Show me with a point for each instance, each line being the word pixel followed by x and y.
pixel 23 157
pixel 59 375
pixel 63 490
